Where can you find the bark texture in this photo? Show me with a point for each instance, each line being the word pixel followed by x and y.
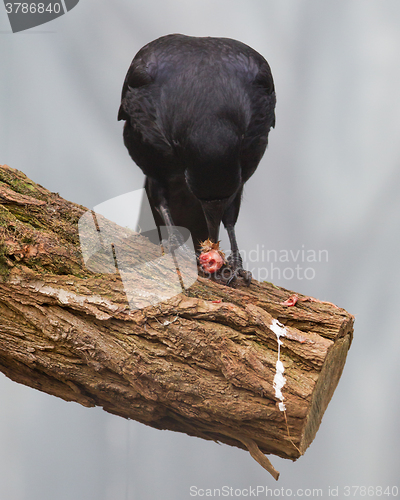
pixel 202 362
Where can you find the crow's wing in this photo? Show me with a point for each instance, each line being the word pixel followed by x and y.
pixel 140 96
pixel 263 99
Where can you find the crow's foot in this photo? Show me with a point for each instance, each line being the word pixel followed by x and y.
pixel 246 275
pixel 228 275
pixel 236 265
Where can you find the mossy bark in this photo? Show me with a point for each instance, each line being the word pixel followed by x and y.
pixel 202 362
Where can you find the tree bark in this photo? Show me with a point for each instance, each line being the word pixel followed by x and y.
pixel 202 362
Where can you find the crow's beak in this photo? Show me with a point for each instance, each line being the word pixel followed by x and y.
pixel 213 212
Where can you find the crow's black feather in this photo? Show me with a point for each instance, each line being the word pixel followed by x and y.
pixel 198 112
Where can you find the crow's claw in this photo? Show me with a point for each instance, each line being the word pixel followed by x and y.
pixel 228 276
pixel 236 265
pixel 246 275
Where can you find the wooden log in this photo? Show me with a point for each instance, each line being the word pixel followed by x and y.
pixel 202 362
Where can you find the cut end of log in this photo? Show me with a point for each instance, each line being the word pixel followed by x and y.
pixel 324 388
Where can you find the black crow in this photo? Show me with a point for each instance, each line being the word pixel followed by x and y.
pixel 197 115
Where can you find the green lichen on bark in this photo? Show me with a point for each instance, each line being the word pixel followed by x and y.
pixel 4 268
pixel 38 228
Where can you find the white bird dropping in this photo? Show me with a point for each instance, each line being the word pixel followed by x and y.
pixel 279 379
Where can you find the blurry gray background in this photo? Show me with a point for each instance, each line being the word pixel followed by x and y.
pixel 329 181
